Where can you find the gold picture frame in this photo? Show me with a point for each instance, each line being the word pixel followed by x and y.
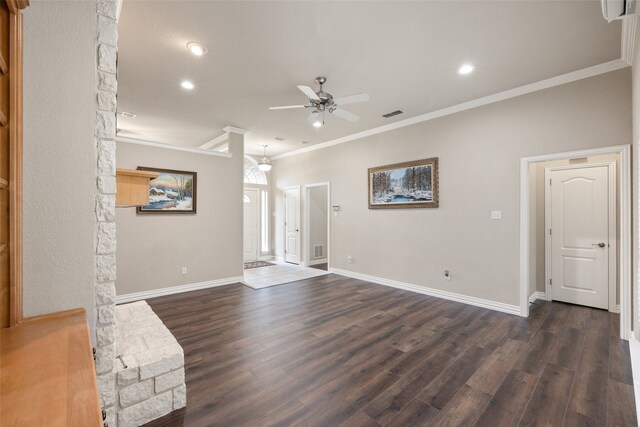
pixel 404 185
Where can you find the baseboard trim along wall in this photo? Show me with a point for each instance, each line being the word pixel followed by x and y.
pixel 537 295
pixel 137 296
pixel 317 261
pixel 634 350
pixel 464 299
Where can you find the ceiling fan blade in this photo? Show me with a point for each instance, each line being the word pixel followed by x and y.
pixel 309 92
pixel 344 114
pixel 286 107
pixel 351 99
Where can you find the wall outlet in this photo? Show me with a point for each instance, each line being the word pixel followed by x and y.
pixel 184 271
pixel 349 259
pixel 447 275
pixel 496 215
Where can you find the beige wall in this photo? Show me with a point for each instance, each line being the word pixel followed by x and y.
pixel 635 226
pixel 317 219
pixel 59 156
pixel 479 152
pixel 152 249
pixel 537 219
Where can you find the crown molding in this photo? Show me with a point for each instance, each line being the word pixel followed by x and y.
pixel 479 102
pixel 173 147
pixel 231 129
pixel 215 141
pixel 628 42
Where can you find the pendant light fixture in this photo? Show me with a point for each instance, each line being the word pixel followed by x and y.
pixel 265 163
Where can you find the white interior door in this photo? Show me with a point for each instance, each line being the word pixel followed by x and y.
pixel 579 231
pixel 292 225
pixel 251 211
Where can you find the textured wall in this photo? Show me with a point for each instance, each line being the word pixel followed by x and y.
pixel 152 249
pixel 480 152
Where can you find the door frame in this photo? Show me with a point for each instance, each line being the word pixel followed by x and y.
pixel 613 242
pixel 307 222
pixel 258 230
pixel 624 220
pixel 299 240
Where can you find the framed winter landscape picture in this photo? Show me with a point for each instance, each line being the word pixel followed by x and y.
pixel 404 185
pixel 172 192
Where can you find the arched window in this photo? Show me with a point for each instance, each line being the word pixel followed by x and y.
pixel 252 173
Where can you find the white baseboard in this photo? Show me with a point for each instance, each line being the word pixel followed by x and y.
pixel 634 349
pixel 136 296
pixel 266 258
pixel 317 261
pixel 537 295
pixel 478 302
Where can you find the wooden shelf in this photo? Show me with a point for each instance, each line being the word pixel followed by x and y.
pixel 48 374
pixel 132 187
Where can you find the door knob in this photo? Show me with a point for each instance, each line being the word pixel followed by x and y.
pixel 600 245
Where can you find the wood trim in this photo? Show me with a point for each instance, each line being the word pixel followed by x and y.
pixel 3 65
pixel 3 119
pixel 137 173
pixel 15 162
pixel 4 184
pixel 3 247
pixel 15 6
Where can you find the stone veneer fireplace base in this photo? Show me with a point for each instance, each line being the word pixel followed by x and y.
pixel 149 367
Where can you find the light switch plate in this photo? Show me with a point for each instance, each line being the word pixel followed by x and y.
pixel 496 214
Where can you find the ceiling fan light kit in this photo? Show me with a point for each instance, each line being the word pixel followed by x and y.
pixel 322 101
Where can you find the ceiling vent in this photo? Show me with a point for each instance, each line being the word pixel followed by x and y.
pixel 278 138
pixel 393 113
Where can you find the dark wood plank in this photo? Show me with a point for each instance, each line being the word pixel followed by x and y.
pixel 568 348
pixel 338 351
pixel 447 384
pixel 510 401
pixel 592 374
pixel 463 409
pixel 549 402
pixel 574 419
pixel 416 413
pixel 621 406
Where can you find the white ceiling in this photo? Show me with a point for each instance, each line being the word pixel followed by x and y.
pixel 405 55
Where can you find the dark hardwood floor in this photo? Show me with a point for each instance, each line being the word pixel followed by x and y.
pixel 334 351
pixel 323 266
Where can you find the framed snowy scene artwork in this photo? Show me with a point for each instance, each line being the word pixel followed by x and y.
pixel 404 185
pixel 171 193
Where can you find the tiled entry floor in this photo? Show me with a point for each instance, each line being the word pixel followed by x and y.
pixel 282 272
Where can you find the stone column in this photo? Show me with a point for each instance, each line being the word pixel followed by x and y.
pixel 105 242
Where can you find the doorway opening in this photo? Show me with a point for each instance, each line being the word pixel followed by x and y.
pixel 255 234
pixel 575 230
pixel 317 209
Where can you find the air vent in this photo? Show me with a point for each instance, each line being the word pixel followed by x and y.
pixel 393 113
pixel 318 251
pixel 279 138
pixel 127 115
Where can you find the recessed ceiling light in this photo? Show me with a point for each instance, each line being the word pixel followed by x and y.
pixel 196 48
pixel 188 85
pixel 466 69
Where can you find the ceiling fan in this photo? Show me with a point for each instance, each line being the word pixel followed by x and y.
pixel 322 102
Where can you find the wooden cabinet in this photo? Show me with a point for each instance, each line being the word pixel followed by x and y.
pixel 48 374
pixel 132 187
